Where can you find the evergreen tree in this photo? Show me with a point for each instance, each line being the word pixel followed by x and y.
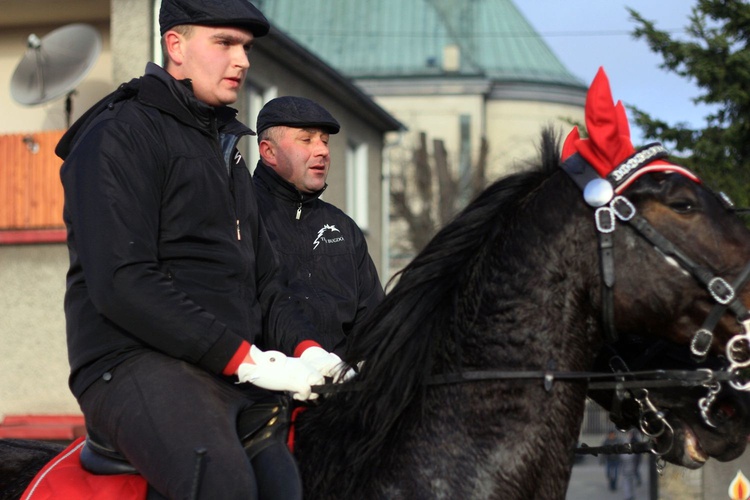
pixel 717 57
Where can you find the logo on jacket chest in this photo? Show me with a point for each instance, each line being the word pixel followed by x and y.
pixel 328 234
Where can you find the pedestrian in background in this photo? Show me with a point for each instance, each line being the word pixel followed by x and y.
pixel 611 462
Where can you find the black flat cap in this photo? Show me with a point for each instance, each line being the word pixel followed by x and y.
pixel 297 112
pixel 235 13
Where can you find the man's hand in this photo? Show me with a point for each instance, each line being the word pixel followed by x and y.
pixel 327 363
pixel 275 371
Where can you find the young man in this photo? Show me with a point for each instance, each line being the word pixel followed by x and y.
pixel 321 249
pixel 172 293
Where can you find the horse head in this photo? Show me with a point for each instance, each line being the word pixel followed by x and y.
pixel 677 274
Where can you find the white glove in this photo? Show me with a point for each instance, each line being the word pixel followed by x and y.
pixel 327 363
pixel 274 371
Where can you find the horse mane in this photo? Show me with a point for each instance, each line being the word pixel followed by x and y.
pixel 411 335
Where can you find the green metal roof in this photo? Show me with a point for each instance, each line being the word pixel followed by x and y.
pixel 406 38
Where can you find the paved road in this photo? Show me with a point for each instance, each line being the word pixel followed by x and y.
pixel 589 483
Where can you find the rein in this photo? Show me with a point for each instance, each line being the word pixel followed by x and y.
pixel 595 380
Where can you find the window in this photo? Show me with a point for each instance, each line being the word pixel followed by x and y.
pixel 357 188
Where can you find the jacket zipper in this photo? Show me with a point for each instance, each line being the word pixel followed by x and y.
pixel 228 165
pixel 299 210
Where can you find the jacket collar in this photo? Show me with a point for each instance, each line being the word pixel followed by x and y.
pixel 158 85
pixel 269 180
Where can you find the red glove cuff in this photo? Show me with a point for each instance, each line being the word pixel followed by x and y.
pixel 303 346
pixel 236 360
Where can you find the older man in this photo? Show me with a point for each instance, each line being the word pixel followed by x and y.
pixel 322 250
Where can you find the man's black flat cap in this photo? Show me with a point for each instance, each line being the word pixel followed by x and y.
pixel 235 13
pixel 297 112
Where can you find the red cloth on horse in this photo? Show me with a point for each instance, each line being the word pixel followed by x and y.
pixel 63 477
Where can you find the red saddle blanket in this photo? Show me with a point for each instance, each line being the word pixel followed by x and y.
pixel 63 477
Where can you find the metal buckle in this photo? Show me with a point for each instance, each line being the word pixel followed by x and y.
pixel 739 380
pixel 701 343
pixel 623 208
pixel 605 225
pixel 739 355
pixel 721 291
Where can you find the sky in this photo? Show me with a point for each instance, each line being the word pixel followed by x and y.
pixel 587 34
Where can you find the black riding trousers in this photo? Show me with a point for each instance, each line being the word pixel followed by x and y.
pixel 157 411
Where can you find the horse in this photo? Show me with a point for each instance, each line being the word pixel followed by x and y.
pixel 514 282
pixel 462 389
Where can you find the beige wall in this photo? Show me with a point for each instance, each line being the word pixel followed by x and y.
pixel 439 117
pixel 512 128
pixel 32 330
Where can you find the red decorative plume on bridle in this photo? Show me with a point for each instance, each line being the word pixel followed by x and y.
pixel 609 144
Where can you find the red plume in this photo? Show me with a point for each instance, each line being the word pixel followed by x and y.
pixel 607 126
pixel 609 141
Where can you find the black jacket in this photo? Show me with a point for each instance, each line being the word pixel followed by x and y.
pixel 323 252
pixel 167 250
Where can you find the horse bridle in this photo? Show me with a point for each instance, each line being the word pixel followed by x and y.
pixel 602 195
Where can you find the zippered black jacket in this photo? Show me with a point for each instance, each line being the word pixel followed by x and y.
pixel 167 250
pixel 324 254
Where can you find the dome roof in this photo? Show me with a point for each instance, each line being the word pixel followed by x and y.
pixel 409 38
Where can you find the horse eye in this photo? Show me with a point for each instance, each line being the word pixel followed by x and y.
pixel 682 206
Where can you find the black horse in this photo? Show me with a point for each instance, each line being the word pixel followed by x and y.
pixel 512 284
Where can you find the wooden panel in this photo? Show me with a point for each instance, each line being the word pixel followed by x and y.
pixel 31 196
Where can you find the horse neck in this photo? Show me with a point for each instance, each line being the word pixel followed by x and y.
pixel 540 308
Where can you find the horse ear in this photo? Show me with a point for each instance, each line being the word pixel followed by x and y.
pixel 609 134
pixel 569 147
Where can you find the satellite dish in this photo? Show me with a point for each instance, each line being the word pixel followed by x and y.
pixel 53 65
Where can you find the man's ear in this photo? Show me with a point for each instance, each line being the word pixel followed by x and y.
pixel 267 152
pixel 173 44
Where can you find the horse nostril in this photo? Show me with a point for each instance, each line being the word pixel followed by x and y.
pixel 724 412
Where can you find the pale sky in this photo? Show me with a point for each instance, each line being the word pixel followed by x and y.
pixel 586 34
